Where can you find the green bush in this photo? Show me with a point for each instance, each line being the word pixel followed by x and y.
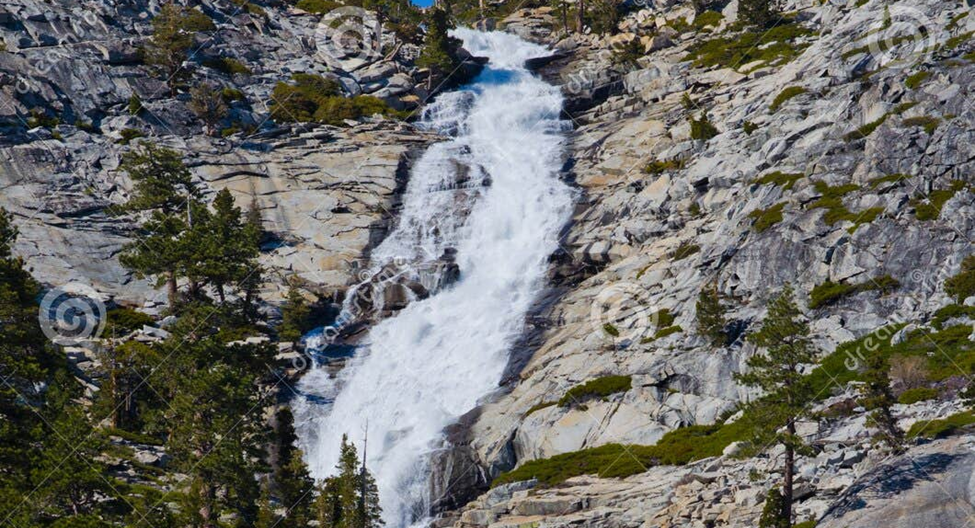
pixel 766 218
pixel 317 6
pixel 914 81
pixel 774 46
pixel 684 250
pixel 932 429
pixel 228 65
pixel 830 292
pixel 929 124
pixel 931 209
pixel 785 95
pixel 128 134
pixel 962 285
pixel 313 98
pixel 749 127
pixel 702 129
pixel 781 179
pixel 953 311
pixel 231 95
pixel 660 167
pixel 864 131
pixel 831 199
pixel 917 395
pixel 122 321
pixel 135 105
pixel 611 330
pixel 865 217
pixel 707 18
pixel 596 388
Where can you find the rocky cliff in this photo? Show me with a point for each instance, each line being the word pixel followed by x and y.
pixel 836 149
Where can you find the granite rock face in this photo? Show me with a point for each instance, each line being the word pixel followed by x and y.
pixel 662 214
pixel 327 194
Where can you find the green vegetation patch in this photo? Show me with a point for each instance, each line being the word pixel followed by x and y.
pixel 538 407
pixel 596 388
pixel 918 394
pixel 660 167
pixel 313 98
pixel 702 129
pixel 766 218
pixel 685 250
pixel 962 285
pixel 931 209
pixel 958 40
pixel 864 131
pixel 865 217
pixel 831 199
pixel 708 18
pixel 914 81
pixel 829 292
pixel 689 444
pixel 781 179
pixel 890 178
pixel 228 65
pixel 785 95
pixel 122 321
pixel 317 6
pixel 932 429
pixel 955 311
pixel 774 46
pixel 928 123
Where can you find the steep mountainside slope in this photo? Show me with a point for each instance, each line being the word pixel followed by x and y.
pixel 839 162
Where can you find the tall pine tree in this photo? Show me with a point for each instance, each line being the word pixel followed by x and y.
pixel 784 337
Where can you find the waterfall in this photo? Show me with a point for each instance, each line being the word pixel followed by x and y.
pixel 491 195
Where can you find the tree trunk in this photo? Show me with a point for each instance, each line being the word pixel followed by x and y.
pixel 581 16
pixel 171 283
pixel 790 461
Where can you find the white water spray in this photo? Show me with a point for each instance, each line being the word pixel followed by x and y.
pixel 421 369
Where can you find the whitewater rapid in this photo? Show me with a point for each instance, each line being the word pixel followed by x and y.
pixel 421 369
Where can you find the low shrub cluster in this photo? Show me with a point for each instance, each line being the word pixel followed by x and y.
pixel 917 395
pixel 596 388
pixel 962 285
pixel 784 96
pixel 766 218
pixel 774 46
pixel 313 98
pixel 688 444
pixel 781 179
pixel 829 292
pixel 932 429
pixel 931 209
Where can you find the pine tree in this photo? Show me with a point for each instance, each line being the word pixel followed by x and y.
pixel 173 31
pixel 761 13
pixel 161 179
pixel 164 186
pixel 438 52
pixel 350 499
pixel 878 399
pixel 784 336
pixel 207 103
pixel 224 251
pixel 295 489
pixel 294 315
pixel 772 516
pixel 710 316
pixel 266 518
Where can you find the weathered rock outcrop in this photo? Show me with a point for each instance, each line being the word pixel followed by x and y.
pixel 665 211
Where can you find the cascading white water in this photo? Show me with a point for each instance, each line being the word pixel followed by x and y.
pixel 421 369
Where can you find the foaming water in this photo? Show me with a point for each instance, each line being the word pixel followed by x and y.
pixel 491 193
